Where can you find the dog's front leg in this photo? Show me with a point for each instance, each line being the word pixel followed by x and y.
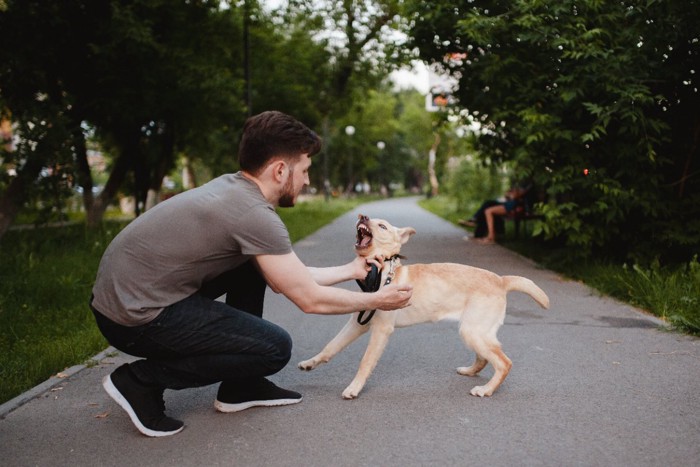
pixel 351 331
pixel 381 331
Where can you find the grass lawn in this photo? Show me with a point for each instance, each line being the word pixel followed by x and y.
pixel 46 277
pixel 670 293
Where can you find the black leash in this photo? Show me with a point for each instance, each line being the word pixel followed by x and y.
pixel 371 284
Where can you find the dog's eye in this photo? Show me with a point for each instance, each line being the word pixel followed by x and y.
pixel 382 226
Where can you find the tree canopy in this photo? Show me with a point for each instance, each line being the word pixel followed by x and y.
pixel 595 101
pixel 149 76
pixel 153 79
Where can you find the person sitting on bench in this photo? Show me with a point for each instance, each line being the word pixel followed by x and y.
pixel 486 218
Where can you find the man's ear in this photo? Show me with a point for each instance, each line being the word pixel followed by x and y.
pixel 405 234
pixel 278 168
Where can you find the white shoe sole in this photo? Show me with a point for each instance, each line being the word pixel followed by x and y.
pixel 229 408
pixel 124 404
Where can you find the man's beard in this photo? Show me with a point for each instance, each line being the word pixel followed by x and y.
pixel 288 195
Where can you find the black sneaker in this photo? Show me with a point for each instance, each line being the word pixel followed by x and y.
pixel 261 392
pixel 144 404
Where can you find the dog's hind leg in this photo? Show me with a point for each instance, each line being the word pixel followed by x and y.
pixel 501 363
pixel 377 343
pixel 487 350
pixel 470 339
pixel 480 336
pixel 473 370
pixel 351 331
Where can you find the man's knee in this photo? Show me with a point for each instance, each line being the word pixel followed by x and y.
pixel 285 348
pixel 282 353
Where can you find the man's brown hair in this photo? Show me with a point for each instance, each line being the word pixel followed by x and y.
pixel 274 134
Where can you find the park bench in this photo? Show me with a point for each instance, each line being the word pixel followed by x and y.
pixel 521 215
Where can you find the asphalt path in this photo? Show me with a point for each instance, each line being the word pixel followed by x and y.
pixel 594 382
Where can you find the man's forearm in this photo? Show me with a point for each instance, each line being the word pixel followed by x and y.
pixel 332 300
pixel 331 275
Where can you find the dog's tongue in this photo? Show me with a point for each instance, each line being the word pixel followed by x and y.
pixel 365 240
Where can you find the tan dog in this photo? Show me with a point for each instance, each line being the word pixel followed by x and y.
pixel 474 297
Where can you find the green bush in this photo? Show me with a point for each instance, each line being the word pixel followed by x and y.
pixel 602 117
pixel 671 293
pixel 470 183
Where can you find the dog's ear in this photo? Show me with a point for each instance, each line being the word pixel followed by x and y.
pixel 405 234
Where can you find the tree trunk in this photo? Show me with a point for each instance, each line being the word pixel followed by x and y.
pixel 189 179
pixel 83 168
pixel 691 152
pixel 165 163
pixel 434 185
pixel 116 178
pixel 152 197
pixel 142 177
pixel 11 201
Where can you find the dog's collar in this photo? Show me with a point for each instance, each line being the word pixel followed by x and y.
pixel 372 283
pixel 394 261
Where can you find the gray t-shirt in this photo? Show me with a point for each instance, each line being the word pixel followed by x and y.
pixel 166 254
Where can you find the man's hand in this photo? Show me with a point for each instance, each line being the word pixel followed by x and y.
pixel 362 265
pixel 393 296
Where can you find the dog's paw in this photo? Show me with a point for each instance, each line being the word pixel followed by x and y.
pixel 481 391
pixel 467 371
pixel 351 392
pixel 307 365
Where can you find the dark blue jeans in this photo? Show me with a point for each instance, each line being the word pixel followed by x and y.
pixel 200 341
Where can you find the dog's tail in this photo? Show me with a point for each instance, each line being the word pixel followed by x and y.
pixel 522 284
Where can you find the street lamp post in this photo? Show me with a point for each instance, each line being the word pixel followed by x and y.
pixel 349 130
pixel 326 155
pixel 382 169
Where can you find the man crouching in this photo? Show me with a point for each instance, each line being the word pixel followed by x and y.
pixel 157 284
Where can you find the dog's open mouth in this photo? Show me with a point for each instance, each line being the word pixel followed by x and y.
pixel 364 235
